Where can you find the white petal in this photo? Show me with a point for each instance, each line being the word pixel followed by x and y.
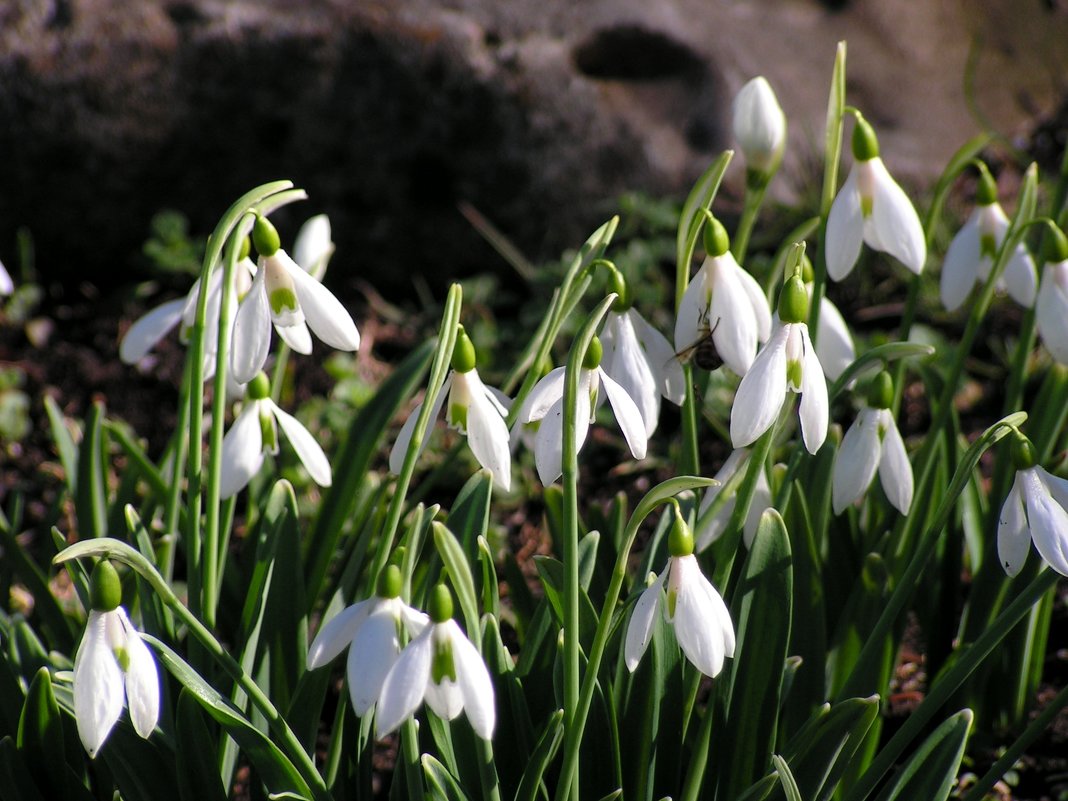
pixel 627 415
pixel 487 433
pixel 149 329
pixel 98 687
pixel 413 620
pixel 895 471
pixel 545 393
pixel 400 448
pixel 252 331
pixel 7 286
pixel 712 530
pixel 815 409
pixel 373 653
pixel 845 229
pixel 324 313
pixel 1014 540
pixel 699 612
pixel 731 316
pixel 549 440
pixel 313 243
pixel 475 684
pixel 406 684
pixel 960 270
pixel 895 222
pixel 761 502
pixel 627 363
pixel 142 680
pixel 1051 311
pixel 761 394
pixel 296 336
pixel 693 309
pixel 336 634
pixel 242 451
pixel 640 628
pixel 1058 487
pixel 857 460
pixel 834 346
pixel 759 302
pixel 308 450
pixel 671 382
pixel 1020 278
pixel 1047 519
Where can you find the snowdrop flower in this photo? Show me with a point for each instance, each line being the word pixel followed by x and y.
pixel 972 252
pixel 1051 310
pixel 254 434
pixel 442 667
pixel 473 409
pixel 692 607
pixel 7 286
pixel 873 443
pixel 759 128
pixel 546 404
pixel 834 345
pixel 725 302
pixel 872 207
pixel 787 362
pixel 112 664
pixel 715 527
pixel 285 295
pixel 640 359
pixel 369 630
pixel 1034 510
pixel 314 245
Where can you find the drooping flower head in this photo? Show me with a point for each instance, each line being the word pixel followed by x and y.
pixel 1035 510
pixel 759 128
pixel 285 296
pixel 639 358
pixel 973 250
pixel 871 207
pixel 473 409
pixel 442 667
pixel 255 434
pixel 1051 310
pixel 545 403
pixel 872 444
pixel 723 302
pixel 369 629
pixel 113 665
pixel 693 608
pixel 788 362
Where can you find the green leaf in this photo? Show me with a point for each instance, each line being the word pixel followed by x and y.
pixel 882 354
pixel 931 771
pixel 789 785
pixel 469 516
pixel 452 554
pixel 440 783
pixel 821 752
pixel 763 603
pixel 65 447
pixel 587 553
pixel 691 219
pixel 552 578
pixel 491 596
pixel 832 138
pixel 90 499
pixel 15 777
pixel 198 771
pixel 544 751
pixel 40 736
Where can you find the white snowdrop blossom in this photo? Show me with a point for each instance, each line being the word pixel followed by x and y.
pixel 113 666
pixel 691 605
pixel 873 443
pixel 254 434
pixel 369 629
pixel 442 667
pixel 972 252
pixel 1051 310
pixel 640 359
pixel 314 245
pixel 1035 510
pixel 788 362
pixel 545 403
pixel 286 296
pixel 711 531
pixel 725 302
pixel 7 286
pixel 759 126
pixel 871 207
pixel 834 345
pixel 473 409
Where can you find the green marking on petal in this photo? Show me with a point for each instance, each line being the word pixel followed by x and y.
pixel 865 206
pixel 988 245
pixel 123 658
pixel 672 601
pixel 457 416
pixel 794 373
pixel 268 431
pixel 443 666
pixel 282 299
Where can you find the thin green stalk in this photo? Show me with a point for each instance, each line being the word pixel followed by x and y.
pixel 487 770
pixel 413 776
pixel 172 514
pixel 755 189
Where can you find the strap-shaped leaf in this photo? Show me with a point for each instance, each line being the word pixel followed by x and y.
pixel 931 771
pixel 551 737
pixel 40 736
pixel 440 783
pixel 452 554
pixel 198 771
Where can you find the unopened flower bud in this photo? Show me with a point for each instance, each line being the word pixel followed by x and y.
pixel 759 126
pixel 105 589
pixel 463 352
pixel 865 143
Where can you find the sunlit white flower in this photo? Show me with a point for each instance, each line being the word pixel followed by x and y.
pixel 546 404
pixel 971 255
pixel 716 525
pixel 369 629
pixel 1034 510
pixel 1051 311
pixel 7 286
pixel 759 125
pixel 872 208
pixel 725 302
pixel 112 665
pixel 834 345
pixel 286 296
pixel 313 246
pixel 442 667
pixel 691 605
pixel 254 434
pixel 473 409
pixel 640 359
pixel 873 443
